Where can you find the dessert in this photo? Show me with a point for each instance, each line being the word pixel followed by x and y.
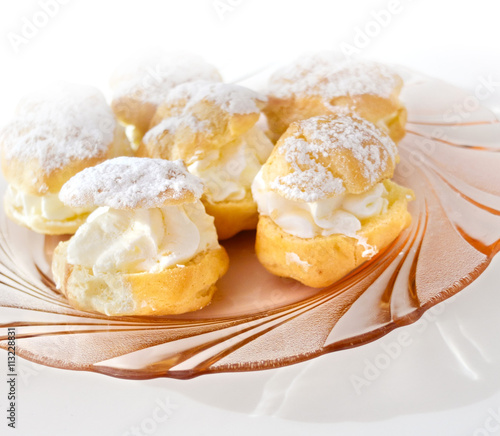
pixel 212 127
pixel 148 249
pixel 318 83
pixel 325 199
pixel 139 86
pixel 55 134
pixel 147 227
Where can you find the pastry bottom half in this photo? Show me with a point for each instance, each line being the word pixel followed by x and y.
pixel 174 290
pixel 321 261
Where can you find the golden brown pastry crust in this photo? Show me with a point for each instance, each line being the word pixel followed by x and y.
pixel 330 257
pixel 131 110
pixel 220 127
pixel 387 114
pixel 174 290
pixel 231 217
pixel 395 124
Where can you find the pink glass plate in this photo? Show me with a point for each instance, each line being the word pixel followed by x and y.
pixel 449 157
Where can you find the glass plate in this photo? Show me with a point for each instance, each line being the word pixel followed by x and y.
pixel 449 157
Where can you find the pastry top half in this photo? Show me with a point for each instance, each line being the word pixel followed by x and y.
pixel 140 85
pixel 127 183
pixel 55 134
pixel 316 83
pixel 329 155
pixel 326 176
pixel 212 127
pixel 199 117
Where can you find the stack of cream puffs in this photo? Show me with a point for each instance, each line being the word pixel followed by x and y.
pixel 54 135
pixel 315 84
pixel 147 228
pixel 212 127
pixel 326 200
pixel 149 247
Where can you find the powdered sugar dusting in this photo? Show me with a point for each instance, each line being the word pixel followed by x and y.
pixel 310 184
pixel 233 99
pixel 310 180
pixel 131 183
pixel 150 78
pixel 328 76
pixel 184 99
pixel 64 123
pixel 344 133
pixel 172 124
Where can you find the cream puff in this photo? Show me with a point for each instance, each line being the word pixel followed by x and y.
pixel 140 85
pixel 316 83
pixel 148 249
pixel 212 127
pixel 54 135
pixel 325 199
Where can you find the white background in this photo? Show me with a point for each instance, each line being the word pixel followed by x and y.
pixel 84 40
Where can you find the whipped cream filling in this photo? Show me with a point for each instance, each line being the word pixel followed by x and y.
pixel 228 172
pixel 341 214
pixel 142 240
pixel 47 206
pixel 293 258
